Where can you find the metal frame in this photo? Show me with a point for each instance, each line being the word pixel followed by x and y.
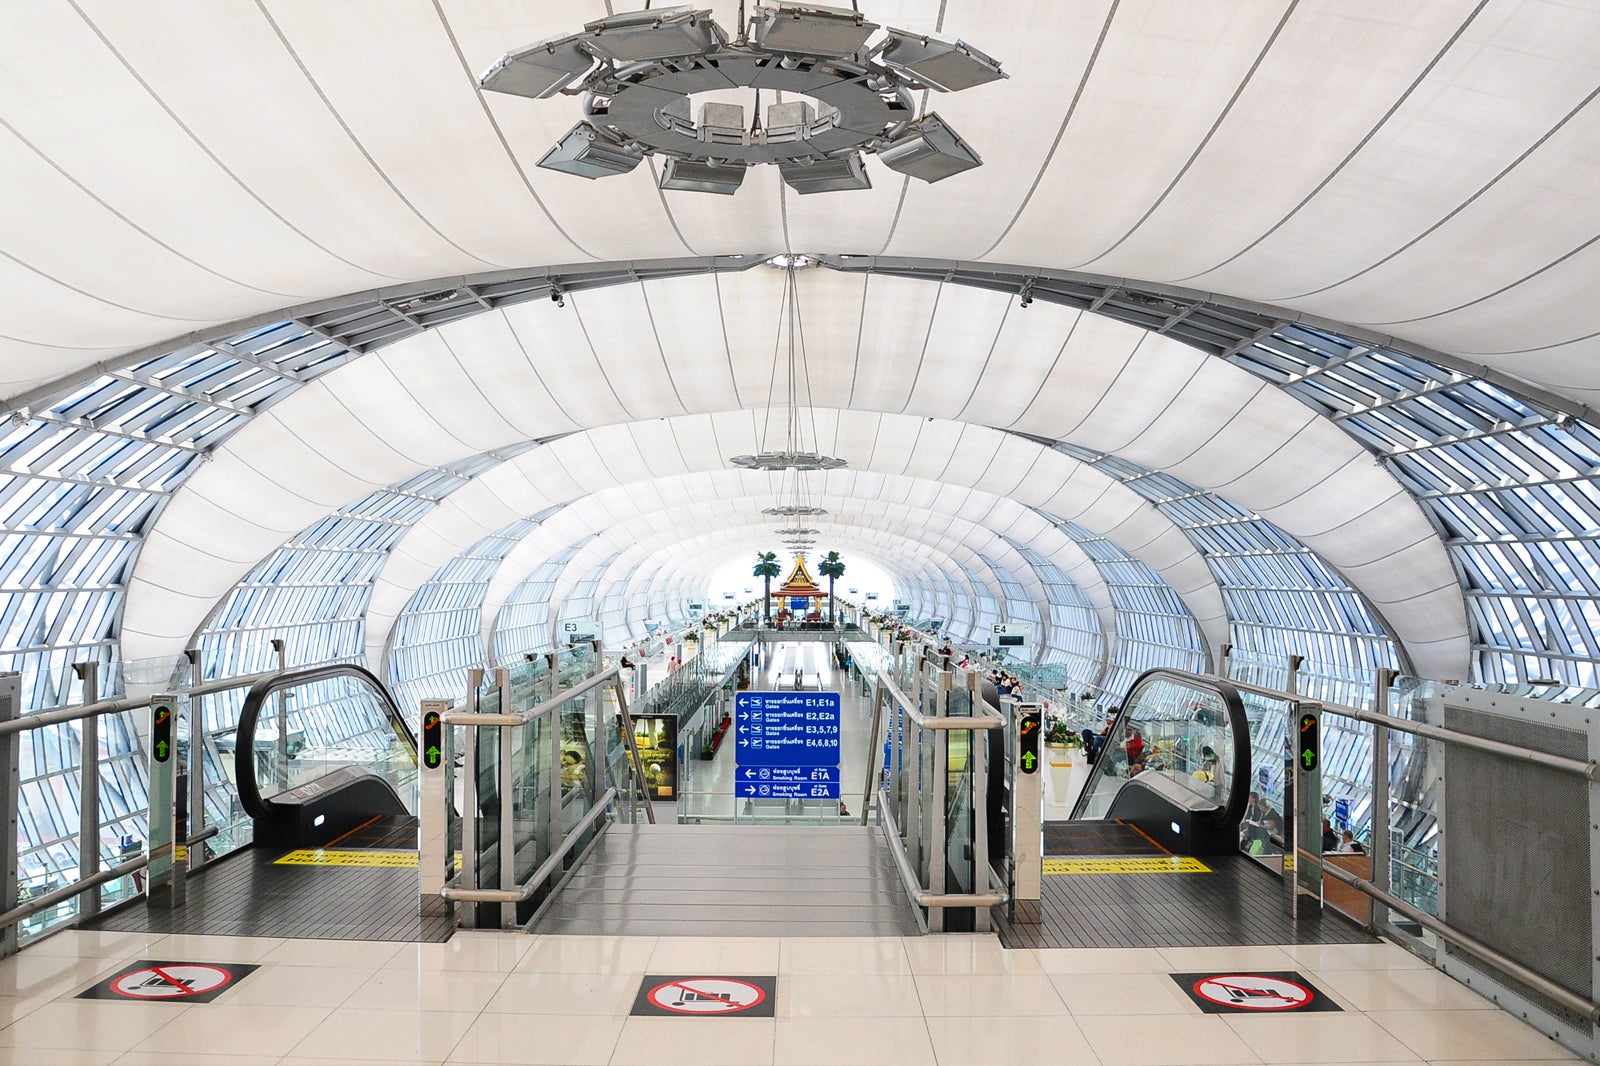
pixel 559 845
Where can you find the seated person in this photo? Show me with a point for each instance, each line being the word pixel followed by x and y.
pixel 1349 845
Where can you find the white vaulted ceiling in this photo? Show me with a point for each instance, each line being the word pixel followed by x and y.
pixel 1422 172
pixel 1422 169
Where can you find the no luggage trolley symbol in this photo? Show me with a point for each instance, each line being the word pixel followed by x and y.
pixel 705 996
pixel 174 982
pixel 1256 992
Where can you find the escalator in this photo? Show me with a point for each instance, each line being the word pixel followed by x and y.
pixel 318 795
pixel 1172 776
pixel 361 792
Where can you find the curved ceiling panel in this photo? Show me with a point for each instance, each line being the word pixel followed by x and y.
pixel 1125 142
pixel 632 455
pixel 874 343
pixel 622 519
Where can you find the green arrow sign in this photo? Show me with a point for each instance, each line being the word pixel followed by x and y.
pixel 433 754
pixel 161 751
pixel 1028 759
pixel 1310 742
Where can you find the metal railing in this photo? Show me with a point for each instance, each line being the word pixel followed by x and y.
pixel 1414 881
pixel 931 792
pixel 83 897
pixel 534 795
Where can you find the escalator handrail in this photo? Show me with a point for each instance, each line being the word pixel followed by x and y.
pixel 244 749
pixel 1238 724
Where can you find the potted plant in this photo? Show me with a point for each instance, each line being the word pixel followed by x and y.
pixel 1063 747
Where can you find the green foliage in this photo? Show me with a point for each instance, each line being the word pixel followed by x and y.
pixel 766 565
pixel 1060 732
pixel 831 566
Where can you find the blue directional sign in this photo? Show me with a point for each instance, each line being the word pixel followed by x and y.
pixel 787 729
pixel 788 790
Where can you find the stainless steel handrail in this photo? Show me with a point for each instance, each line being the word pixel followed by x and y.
pixel 42 719
pixel 1583 768
pixel 1567 998
pixel 539 710
pixel 546 868
pixel 66 892
pixel 921 896
pixel 987 720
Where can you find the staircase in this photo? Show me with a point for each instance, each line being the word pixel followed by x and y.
pixel 671 880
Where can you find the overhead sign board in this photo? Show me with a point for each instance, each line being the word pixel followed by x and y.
pixel 580 629
pixel 1016 635
pixel 787 745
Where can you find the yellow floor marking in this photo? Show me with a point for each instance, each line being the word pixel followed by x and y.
pixel 1166 864
pixel 329 857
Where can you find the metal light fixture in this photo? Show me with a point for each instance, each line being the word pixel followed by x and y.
pixel 637 70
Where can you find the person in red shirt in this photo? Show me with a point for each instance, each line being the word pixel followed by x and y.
pixel 1134 746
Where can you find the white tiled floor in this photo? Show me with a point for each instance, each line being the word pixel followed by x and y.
pixel 505 998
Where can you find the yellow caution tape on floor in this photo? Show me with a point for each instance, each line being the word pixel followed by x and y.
pixel 329 857
pixel 326 857
pixel 1166 864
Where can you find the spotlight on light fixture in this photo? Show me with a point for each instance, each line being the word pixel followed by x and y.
pixel 637 72
pixel 843 174
pixel 694 175
pixel 541 70
pixel 664 33
pixel 948 66
pixel 929 149
pixel 588 153
pixel 810 29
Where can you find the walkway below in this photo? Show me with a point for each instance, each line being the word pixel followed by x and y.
pixel 714 881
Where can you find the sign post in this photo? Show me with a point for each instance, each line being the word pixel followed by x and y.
pixel 787 746
pixel 166 880
pixel 435 860
pixel 1027 812
pixel 1303 827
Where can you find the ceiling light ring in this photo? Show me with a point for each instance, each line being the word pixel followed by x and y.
pixel 638 70
pixel 652 109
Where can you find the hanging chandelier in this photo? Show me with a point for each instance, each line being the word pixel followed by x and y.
pixel 638 70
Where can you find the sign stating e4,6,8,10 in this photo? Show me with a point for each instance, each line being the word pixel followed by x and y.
pixel 787 728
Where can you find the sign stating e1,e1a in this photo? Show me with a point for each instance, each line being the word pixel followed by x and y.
pixel 787 728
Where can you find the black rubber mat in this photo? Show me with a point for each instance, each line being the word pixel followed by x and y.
pixel 249 894
pixel 1073 839
pixel 1237 903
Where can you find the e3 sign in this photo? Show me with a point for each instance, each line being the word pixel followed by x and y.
pixel 1310 748
pixel 1028 735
